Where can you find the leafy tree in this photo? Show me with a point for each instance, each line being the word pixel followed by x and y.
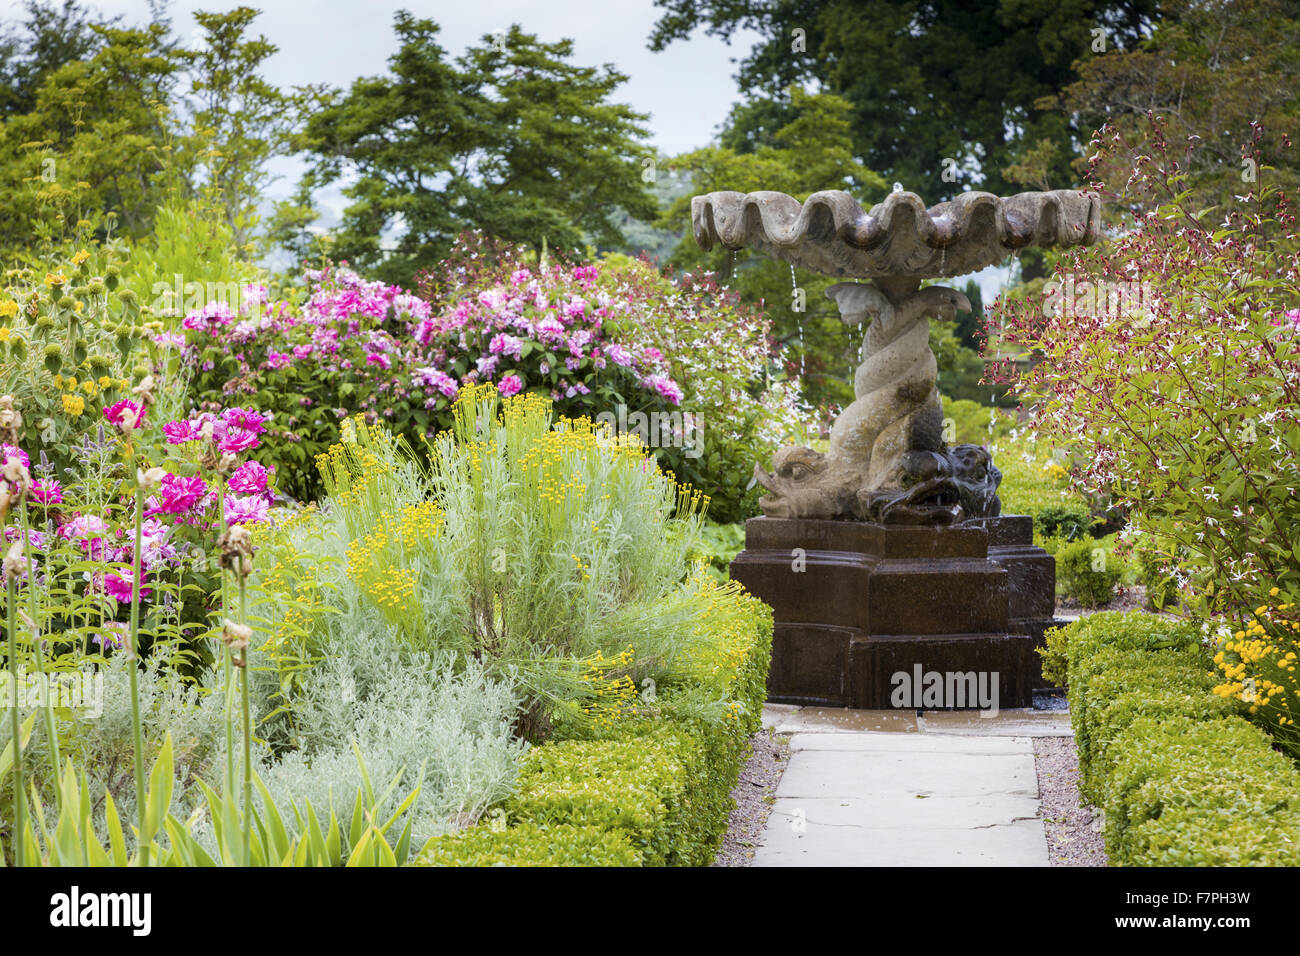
pixel 928 81
pixel 51 36
pixel 99 139
pixel 239 120
pixel 512 139
pixel 1222 74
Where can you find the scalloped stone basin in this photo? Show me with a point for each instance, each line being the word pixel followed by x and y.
pixel 888 555
pixel 899 237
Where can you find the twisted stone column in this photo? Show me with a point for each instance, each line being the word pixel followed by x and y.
pixel 897 407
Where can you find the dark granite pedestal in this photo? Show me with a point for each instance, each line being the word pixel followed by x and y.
pixel 857 604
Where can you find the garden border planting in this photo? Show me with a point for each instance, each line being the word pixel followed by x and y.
pixel 1183 779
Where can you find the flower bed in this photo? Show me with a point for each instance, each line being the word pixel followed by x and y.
pixel 654 792
pixel 1183 780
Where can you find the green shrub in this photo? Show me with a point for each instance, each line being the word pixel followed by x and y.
pixel 1225 765
pixel 1055 664
pixel 661 779
pixel 531 845
pixel 1069 521
pixel 1087 570
pixel 1183 781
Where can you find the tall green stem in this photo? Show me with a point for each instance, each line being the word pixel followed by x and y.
pixel 20 803
pixel 134 666
pixel 248 749
pixel 51 730
pixel 228 677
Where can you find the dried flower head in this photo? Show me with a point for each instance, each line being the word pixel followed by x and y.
pixel 11 421
pixel 236 636
pixel 236 547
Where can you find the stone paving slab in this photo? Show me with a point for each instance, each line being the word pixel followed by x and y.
pixel 862 774
pixel 889 788
pixel 914 743
pixel 1020 843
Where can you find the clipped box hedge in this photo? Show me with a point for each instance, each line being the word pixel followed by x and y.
pixel 652 790
pixel 1183 779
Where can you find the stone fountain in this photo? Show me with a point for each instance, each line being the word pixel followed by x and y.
pixel 888 554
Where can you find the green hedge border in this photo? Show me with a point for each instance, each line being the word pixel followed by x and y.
pixel 654 792
pixel 1184 780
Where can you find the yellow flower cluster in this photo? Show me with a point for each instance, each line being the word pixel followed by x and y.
pixel 611 697
pixel 1054 471
pixel 1258 663
pixel 376 560
pixel 8 308
pixel 74 405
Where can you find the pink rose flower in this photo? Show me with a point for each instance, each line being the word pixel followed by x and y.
pixel 248 509
pixel 125 414
pixel 249 478
pixel 178 433
pixel 510 385
pixel 177 495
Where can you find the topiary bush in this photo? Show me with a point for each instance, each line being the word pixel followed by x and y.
pixel 1088 571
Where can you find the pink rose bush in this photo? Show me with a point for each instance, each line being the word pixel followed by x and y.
pixel 594 338
pixel 78 541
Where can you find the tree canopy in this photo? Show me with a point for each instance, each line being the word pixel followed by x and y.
pixel 511 138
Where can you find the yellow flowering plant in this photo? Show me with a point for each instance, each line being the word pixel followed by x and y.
pixel 547 548
pixel 1257 665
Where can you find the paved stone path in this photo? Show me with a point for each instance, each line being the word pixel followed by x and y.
pixel 889 788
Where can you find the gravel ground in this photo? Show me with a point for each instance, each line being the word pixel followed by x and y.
pixel 1072 835
pixel 1132 598
pixel 754 794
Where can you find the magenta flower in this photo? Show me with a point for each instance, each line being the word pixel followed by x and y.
pixel 510 385
pixel 665 386
pixel 13 451
pixel 177 495
pixel 47 492
pixel 506 344
pixel 238 439
pixel 125 414
pixel 178 433
pixel 249 478
pixel 248 509
pixel 119 588
pixel 246 418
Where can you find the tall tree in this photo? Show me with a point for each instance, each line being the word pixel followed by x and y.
pixel 238 119
pixel 937 86
pixel 1208 73
pixel 511 139
pixel 50 36
pixel 98 140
